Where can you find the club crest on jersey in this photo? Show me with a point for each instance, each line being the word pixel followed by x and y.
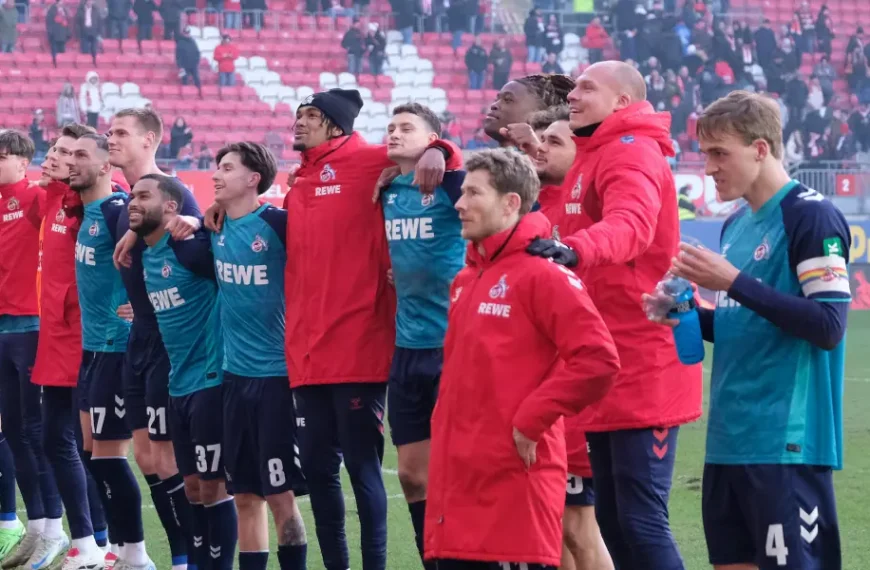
pixel 327 173
pixel 220 240
pixel 427 200
pixel 60 216
pixel 166 271
pixel 12 204
pixel 259 245
pixel 500 289
pixel 94 230
pixel 762 251
pixel 577 189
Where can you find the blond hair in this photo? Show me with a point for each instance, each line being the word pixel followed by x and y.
pixel 747 115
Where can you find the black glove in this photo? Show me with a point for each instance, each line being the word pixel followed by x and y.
pixel 554 250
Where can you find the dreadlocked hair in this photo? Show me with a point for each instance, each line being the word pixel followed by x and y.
pixel 550 89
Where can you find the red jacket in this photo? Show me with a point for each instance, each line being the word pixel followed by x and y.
pixel 226 56
pixel 20 218
pixel 621 217
pixel 340 320
pixel 596 37
pixel 59 352
pixel 524 347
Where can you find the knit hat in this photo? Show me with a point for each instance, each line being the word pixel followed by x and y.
pixel 341 106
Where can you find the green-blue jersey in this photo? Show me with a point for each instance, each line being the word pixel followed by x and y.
pixel 99 284
pixel 249 258
pixel 776 398
pixel 179 279
pixel 426 253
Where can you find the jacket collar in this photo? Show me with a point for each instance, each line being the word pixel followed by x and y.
pixel 11 190
pixel 508 242
pixel 313 155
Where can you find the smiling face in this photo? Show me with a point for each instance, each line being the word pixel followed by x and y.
pixel 408 137
pixel 556 153
pixel 147 206
pixel 593 99
pixel 233 180
pixel 311 129
pixel 513 104
pixel 129 142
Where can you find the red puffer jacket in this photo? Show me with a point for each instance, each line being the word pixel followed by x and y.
pixel 21 207
pixel 59 353
pixel 524 347
pixel 621 217
pixel 340 320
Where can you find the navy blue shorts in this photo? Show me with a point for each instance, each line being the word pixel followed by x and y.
pixel 411 393
pixel 104 381
pixel 146 392
pixel 196 425
pixel 261 453
pixel 773 516
pixel 82 386
pixel 580 492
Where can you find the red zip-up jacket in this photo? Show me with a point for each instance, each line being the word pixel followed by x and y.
pixel 621 217
pixel 59 353
pixel 20 218
pixel 340 320
pixel 524 347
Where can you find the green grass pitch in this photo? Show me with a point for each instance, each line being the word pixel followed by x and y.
pixel 685 504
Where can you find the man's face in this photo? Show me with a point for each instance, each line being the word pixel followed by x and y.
pixel 593 99
pixel 513 104
pixel 147 206
pixel 59 157
pixel 732 164
pixel 129 143
pixel 408 137
pixel 556 153
pixel 232 179
pixel 481 208
pixel 87 164
pixel 310 130
pixel 12 167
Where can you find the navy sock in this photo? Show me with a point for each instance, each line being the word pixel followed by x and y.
pixel 7 481
pixel 418 515
pixel 223 533
pixel 175 532
pixel 125 500
pixel 174 487
pixel 102 537
pixel 197 553
pixel 292 556
pixel 97 499
pixel 253 560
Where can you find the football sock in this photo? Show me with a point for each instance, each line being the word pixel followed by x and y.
pixel 96 497
pixel 53 528
pixel 253 560
pixel 169 517
pixel 418 515
pixel 292 556
pixel 124 498
pixel 197 553
pixel 223 533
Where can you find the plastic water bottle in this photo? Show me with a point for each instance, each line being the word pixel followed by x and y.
pixel 687 334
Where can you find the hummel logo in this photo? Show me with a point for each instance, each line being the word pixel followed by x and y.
pixel 215 551
pixel 810 533
pixel 119 407
pixel 197 541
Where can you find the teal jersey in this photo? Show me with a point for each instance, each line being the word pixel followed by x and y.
pixel 179 279
pixel 99 284
pixel 18 324
pixel 776 398
pixel 249 258
pixel 426 253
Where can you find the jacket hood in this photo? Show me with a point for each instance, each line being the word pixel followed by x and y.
pixel 636 120
pixel 92 75
pixel 347 143
pixel 509 241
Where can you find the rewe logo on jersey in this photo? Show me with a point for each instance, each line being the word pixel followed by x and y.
pixel 409 228
pixel 85 254
pixel 241 274
pixel 94 230
pixel 166 299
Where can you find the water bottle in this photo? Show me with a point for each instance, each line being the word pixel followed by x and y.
pixel 687 334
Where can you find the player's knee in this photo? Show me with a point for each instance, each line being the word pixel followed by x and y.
pixel 414 482
pixel 212 492
pixel 249 505
pixel 192 489
pixel 164 459
pixel 111 448
pixel 142 454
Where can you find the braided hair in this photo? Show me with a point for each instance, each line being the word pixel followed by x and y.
pixel 550 89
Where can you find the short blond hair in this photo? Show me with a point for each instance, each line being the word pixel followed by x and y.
pixel 747 115
pixel 509 171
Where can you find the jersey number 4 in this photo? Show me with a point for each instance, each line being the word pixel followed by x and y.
pixel 775 544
